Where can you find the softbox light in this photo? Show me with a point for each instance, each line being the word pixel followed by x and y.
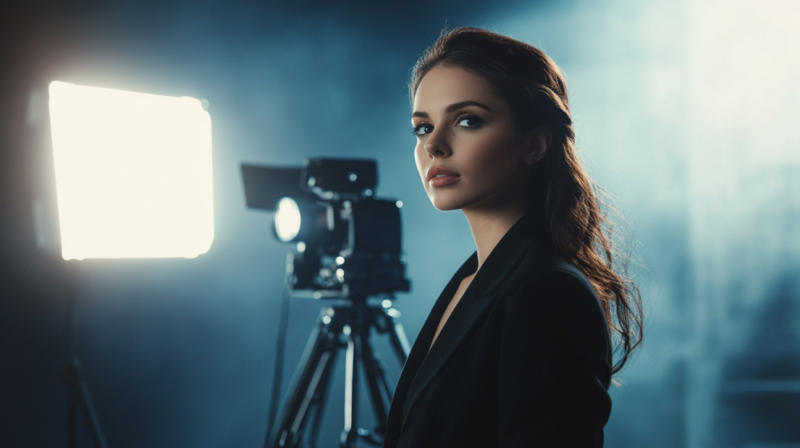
pixel 133 173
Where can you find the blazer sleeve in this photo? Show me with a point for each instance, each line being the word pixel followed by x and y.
pixel 554 365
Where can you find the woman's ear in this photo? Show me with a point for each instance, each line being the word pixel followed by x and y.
pixel 539 139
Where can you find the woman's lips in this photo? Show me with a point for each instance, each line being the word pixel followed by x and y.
pixel 441 181
pixel 439 176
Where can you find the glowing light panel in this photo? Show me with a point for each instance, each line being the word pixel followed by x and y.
pixel 133 173
pixel 287 219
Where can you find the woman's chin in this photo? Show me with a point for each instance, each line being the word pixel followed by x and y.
pixel 445 209
pixel 445 205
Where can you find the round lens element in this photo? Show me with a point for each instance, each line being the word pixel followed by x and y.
pixel 287 220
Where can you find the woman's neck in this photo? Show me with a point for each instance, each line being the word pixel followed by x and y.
pixel 490 224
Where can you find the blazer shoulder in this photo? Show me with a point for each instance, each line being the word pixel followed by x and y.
pixel 560 284
pixel 551 286
pixel 546 268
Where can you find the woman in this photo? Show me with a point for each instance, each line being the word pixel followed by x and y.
pixel 517 350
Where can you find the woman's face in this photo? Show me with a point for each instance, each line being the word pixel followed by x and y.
pixel 469 152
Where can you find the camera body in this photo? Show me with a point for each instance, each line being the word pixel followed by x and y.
pixel 348 242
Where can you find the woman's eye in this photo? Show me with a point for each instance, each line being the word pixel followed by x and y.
pixel 422 129
pixel 469 121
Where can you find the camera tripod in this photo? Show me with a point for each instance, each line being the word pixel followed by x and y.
pixel 347 327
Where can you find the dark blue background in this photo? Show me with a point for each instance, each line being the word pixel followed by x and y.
pixel 180 352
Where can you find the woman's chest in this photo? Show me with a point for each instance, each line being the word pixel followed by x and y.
pixel 454 301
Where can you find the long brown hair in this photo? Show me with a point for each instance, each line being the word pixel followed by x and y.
pixel 534 87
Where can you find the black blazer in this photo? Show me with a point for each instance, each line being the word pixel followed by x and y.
pixel 523 361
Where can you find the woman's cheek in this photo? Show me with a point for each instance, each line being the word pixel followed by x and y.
pixel 418 163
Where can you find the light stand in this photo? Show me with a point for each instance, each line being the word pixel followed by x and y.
pixel 345 328
pixel 78 397
pixel 134 180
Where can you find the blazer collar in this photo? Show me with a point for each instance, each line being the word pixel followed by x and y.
pixel 423 365
pixel 506 255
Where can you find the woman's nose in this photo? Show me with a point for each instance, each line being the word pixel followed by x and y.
pixel 437 146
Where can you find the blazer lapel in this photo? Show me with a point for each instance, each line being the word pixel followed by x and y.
pixel 466 314
pixel 471 308
pixel 419 350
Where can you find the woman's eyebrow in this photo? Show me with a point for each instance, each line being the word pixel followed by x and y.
pixel 454 107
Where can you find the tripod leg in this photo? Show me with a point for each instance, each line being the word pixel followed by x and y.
pixel 352 358
pixel 94 424
pixel 314 366
pixel 387 390
pixel 398 338
pixel 81 400
pixel 321 400
pixel 374 376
